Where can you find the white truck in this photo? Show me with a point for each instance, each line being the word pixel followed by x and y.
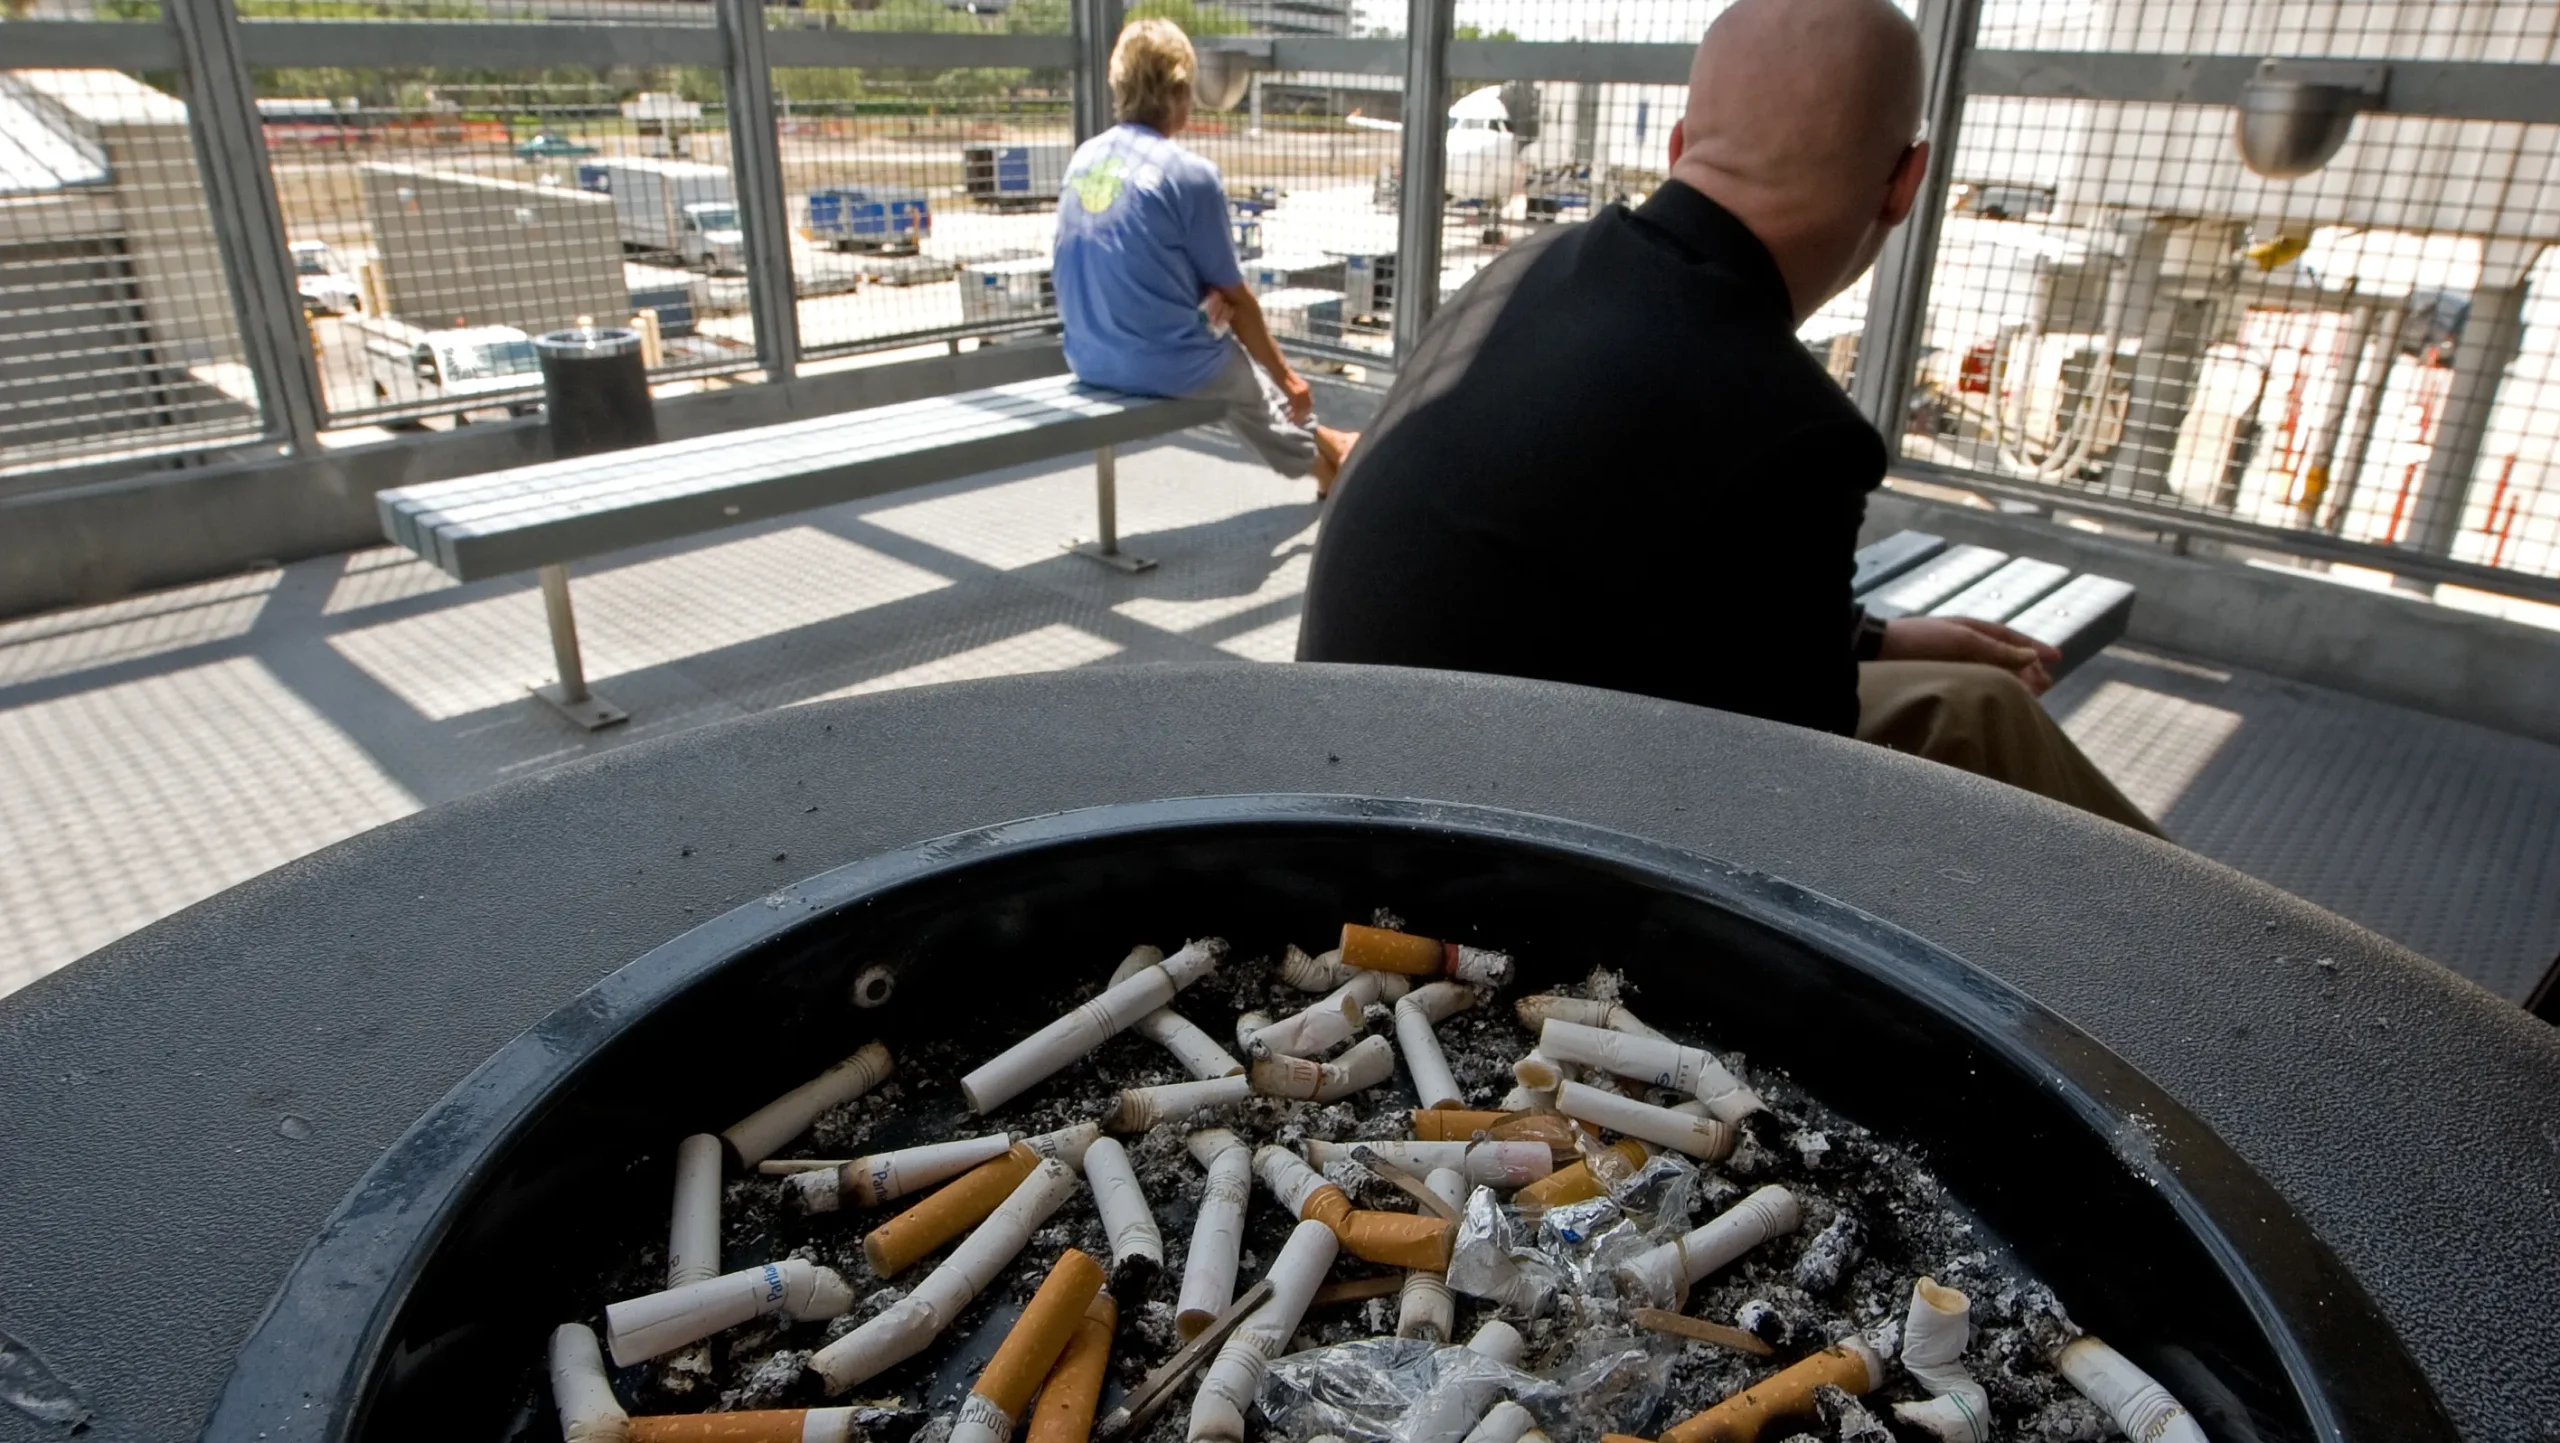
pixel 679 207
pixel 325 286
pixel 408 365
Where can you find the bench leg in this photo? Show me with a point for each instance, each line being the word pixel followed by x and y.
pixel 569 696
pixel 1106 505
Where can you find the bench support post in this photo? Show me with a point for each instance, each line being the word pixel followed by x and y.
pixel 1106 505
pixel 570 696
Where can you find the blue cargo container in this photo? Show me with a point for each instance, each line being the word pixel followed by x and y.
pixel 870 217
pixel 674 305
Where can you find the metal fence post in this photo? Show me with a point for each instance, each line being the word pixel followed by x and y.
pixel 764 210
pixel 231 153
pixel 1898 300
pixel 1097 28
pixel 1424 168
pixel 2492 337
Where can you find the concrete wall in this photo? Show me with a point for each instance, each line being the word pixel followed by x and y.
pixel 2391 648
pixel 493 252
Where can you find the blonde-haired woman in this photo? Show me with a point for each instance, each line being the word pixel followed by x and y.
pixel 1143 244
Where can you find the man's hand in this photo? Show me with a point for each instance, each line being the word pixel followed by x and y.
pixel 1220 311
pixel 1302 397
pixel 1961 638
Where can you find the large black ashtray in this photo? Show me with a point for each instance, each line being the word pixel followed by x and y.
pixel 415 1311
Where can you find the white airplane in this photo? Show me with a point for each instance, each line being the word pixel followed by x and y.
pixel 1484 154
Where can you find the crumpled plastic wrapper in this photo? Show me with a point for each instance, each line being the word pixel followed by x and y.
pixel 1487 1261
pixel 1399 1390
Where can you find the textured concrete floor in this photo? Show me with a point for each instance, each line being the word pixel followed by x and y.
pixel 157 750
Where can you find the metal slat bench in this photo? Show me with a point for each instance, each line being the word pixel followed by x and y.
pixel 542 517
pixel 1912 573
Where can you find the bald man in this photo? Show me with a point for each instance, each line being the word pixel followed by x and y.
pixel 1611 462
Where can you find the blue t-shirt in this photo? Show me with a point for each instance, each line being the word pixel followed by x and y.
pixel 1142 230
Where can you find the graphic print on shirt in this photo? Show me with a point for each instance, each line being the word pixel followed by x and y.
pixel 1098 186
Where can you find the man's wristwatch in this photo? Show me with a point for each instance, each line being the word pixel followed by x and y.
pixel 1870 640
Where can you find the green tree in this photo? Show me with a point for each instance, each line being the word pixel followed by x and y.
pixel 1195 18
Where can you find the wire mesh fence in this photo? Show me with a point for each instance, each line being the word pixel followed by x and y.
pixel 2123 308
pixel 438 223
pixel 2118 309
pixel 118 339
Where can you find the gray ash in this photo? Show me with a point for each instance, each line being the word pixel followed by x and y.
pixel 1873 1221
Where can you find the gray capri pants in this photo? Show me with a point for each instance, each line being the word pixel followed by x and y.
pixel 1259 414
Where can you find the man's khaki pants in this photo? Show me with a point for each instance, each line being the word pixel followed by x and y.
pixel 1983 720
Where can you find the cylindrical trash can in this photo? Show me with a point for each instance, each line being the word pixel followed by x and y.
pixel 595 390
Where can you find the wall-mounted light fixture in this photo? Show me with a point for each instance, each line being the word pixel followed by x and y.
pixel 2294 114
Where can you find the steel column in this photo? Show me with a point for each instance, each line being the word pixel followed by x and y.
pixel 2491 338
pixel 1898 301
pixel 1424 169
pixel 1096 24
pixel 240 192
pixel 764 211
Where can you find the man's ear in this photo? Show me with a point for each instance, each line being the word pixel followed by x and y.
pixel 1904 188
pixel 1679 141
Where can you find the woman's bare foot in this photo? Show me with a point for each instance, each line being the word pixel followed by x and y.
pixel 1333 448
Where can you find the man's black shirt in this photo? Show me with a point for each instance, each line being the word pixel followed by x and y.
pixel 1611 462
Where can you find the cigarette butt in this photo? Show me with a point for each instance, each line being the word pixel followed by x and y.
pixel 1217 1234
pixel 1227 1389
pixel 1142 1108
pixel 1378 950
pixel 1199 1053
pixel 789 1166
pixel 1536 1010
pixel 1537 1072
pixel 762 1133
pixel 1424 1307
pixel 1664 1274
pixel 693 1231
pixel 1399 1240
pixel 886 1176
pixel 589 1413
pixel 1451 1124
pixel 638 1329
pixel 1852 1367
pixel 1433 1083
pixel 1562 1134
pixel 1322 1025
pixel 1363 1067
pixel 1009 1073
pixel 1703 1138
pixel 1137 1244
pixel 1507 1423
pixel 1576 1183
pixel 891 1247
pixel 1074 1388
pixel 2133 1398
pixel 1033 1346
pixel 1499 1341
pixel 768 1425
pixel 1654 1061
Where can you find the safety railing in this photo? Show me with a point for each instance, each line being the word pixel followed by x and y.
pixel 228 226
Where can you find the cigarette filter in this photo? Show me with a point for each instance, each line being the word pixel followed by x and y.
pixel 1576 1183
pixel 1536 1011
pixel 1314 974
pixel 1217 1233
pixel 1144 1107
pixel 1662 1275
pixel 885 1176
pixel 763 1132
pixel 1373 1061
pixel 1037 1340
pixel 1499 1341
pixel 906 1326
pixel 1378 950
pixel 1005 1076
pixel 1506 1423
pixel 1228 1388
pixel 1654 1061
pixel 1703 1138
pixel 1537 1072
pixel 693 1233
pixel 589 1413
pixel 895 1244
pixel 1067 1144
pixel 1397 1240
pixel 1934 1334
pixel 1198 1052
pixel 1424 1308
pixel 1852 1367
pixel 1562 1134
pixel 2132 1397
pixel 638 1329
pixel 1433 1084
pixel 1074 1386
pixel 1321 1026
pixel 1300 1188
pixel 1450 1124
pixel 770 1425
pixel 1137 1247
